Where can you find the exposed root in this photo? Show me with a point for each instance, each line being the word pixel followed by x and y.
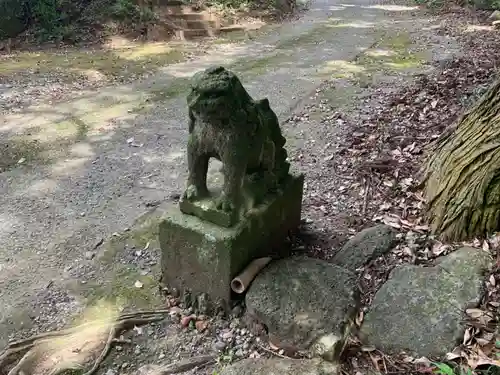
pixel 186 365
pixel 37 348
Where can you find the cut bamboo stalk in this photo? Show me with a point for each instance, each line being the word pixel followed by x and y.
pixel 241 282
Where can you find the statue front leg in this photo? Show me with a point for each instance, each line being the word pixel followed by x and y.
pixel 198 169
pixel 234 173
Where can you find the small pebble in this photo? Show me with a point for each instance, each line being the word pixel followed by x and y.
pixel 220 346
pixel 89 255
pixel 227 334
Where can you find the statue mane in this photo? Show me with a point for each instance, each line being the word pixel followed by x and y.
pixel 217 87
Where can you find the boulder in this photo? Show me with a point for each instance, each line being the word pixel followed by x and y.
pixel 495 16
pixel 367 245
pixel 306 304
pixel 419 310
pixel 277 366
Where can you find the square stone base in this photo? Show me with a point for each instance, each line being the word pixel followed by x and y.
pixel 202 257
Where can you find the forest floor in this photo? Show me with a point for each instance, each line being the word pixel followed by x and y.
pixel 92 140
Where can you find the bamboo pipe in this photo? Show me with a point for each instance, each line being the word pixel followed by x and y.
pixel 241 282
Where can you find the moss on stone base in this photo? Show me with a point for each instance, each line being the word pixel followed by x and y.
pixel 203 257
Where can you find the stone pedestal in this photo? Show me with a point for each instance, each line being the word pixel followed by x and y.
pixel 203 257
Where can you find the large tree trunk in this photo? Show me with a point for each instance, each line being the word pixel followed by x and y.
pixel 462 184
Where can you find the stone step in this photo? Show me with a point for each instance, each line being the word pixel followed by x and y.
pixel 200 24
pixel 179 9
pixel 170 2
pixel 194 33
pixel 194 16
pixel 228 29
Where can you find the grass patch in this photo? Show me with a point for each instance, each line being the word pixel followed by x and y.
pixel 120 289
pixel 317 34
pixel 390 55
pixel 74 127
pixel 341 69
pixel 244 68
pixel 313 36
pixel 144 231
pixel 169 90
pixel 20 150
pixel 239 36
pixel 250 67
pixel 393 52
pixel 102 63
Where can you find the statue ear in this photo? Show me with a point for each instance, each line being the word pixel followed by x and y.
pixel 265 103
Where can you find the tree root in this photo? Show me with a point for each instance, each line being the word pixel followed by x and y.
pixel 31 345
pixel 185 365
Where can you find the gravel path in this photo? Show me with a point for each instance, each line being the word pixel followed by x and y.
pixel 122 160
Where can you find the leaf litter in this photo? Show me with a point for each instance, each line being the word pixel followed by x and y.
pixel 377 172
pixel 378 167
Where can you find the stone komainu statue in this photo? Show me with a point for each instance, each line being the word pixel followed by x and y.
pixel 244 134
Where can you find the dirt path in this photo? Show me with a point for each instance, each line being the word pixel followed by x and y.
pixel 86 169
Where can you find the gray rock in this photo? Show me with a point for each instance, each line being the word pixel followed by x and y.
pixel 419 309
pixel 220 346
pixel 281 367
pixel 495 15
pixel 306 304
pixel 368 244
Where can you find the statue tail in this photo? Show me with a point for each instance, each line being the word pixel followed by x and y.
pixel 281 166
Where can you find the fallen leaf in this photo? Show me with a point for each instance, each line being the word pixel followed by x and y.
pixel 138 284
pixel 272 346
pixel 452 356
pixel 486 246
pixel 422 361
pixel 467 336
pixel 185 320
pixel 201 325
pixel 474 313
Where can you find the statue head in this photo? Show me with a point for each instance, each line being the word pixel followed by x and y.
pixel 216 93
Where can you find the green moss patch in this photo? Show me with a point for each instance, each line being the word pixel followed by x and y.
pixel 393 52
pixel 124 286
pixel 99 64
pixel 172 89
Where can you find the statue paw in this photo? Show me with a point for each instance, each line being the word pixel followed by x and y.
pixel 192 193
pixel 225 204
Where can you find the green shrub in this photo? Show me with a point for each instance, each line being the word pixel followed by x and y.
pixel 124 10
pixel 478 4
pixel 14 17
